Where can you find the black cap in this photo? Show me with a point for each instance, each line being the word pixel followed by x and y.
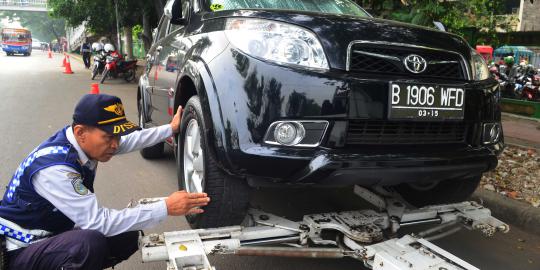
pixel 104 112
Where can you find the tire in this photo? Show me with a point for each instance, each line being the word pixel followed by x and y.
pixel 229 194
pixel 152 152
pixel 94 72
pixel 129 76
pixel 104 76
pixel 446 191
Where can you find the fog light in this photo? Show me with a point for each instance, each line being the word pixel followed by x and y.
pixel 492 132
pixel 289 133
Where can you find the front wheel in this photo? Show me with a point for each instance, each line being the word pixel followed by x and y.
pixel 104 76
pixel 198 172
pixel 129 75
pixel 94 72
pixel 446 191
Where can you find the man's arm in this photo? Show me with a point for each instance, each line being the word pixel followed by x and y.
pixel 144 138
pixel 81 206
pixel 147 137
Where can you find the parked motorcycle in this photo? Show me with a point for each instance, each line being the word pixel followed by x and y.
pixel 531 87
pixel 99 59
pixel 99 64
pixel 518 82
pixel 115 66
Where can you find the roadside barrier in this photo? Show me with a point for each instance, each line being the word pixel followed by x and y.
pixel 94 89
pixel 68 70
pixel 522 107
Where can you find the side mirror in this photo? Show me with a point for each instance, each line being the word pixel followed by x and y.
pixel 439 26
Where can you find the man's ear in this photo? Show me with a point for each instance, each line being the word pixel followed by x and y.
pixel 80 131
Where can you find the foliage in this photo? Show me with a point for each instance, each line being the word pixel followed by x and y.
pixel 137 31
pixel 42 26
pixel 473 19
pixel 100 15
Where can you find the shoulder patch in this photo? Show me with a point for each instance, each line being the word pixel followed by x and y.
pixel 77 182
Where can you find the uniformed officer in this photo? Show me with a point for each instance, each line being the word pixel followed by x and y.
pixel 50 216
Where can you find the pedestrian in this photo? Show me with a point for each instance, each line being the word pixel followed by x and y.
pixel 86 50
pixel 50 216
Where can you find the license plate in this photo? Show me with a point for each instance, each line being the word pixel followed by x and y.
pixel 425 102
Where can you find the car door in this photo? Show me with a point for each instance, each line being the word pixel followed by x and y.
pixel 166 71
pixel 152 70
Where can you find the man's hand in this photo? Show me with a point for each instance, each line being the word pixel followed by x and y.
pixel 175 123
pixel 182 203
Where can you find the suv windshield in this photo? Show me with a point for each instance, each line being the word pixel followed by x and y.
pixel 341 7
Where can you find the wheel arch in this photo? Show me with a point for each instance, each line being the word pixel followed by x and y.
pixel 195 79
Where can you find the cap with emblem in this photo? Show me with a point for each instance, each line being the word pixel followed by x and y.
pixel 105 112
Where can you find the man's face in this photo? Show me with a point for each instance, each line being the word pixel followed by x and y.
pixel 96 143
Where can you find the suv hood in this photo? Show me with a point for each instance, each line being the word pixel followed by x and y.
pixel 336 32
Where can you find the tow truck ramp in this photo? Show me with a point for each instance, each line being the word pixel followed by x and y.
pixel 366 235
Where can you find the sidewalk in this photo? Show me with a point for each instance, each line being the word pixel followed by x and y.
pixel 521 131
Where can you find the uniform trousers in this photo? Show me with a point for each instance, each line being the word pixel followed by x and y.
pixel 75 250
pixel 86 59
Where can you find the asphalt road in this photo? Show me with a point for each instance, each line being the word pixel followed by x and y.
pixel 37 99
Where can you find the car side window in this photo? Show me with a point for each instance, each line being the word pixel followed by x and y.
pixel 185 13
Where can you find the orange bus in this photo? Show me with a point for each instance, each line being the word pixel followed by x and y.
pixel 16 41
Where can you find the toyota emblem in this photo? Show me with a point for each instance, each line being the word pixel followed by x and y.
pixel 415 63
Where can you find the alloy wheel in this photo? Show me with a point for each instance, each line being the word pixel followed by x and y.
pixel 193 158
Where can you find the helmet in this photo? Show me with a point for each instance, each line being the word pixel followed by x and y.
pixel 509 60
pixel 109 47
pixel 97 46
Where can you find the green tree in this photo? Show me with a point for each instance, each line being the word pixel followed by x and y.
pixel 42 26
pixel 474 19
pixel 100 16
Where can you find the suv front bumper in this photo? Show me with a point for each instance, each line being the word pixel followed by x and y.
pixel 254 94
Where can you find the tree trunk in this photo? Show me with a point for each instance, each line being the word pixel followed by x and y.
pixel 159 5
pixel 147 31
pixel 128 32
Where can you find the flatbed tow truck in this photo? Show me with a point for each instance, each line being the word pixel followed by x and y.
pixel 367 235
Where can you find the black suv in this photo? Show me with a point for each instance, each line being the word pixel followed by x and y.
pixel 316 93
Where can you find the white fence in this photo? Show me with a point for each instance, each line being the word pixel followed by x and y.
pixel 32 5
pixel 75 36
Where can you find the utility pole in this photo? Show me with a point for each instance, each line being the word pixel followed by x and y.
pixel 118 27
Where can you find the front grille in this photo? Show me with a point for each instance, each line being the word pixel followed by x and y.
pixel 389 60
pixel 363 132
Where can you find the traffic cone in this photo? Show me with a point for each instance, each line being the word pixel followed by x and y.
pixel 64 61
pixel 94 89
pixel 49 53
pixel 68 70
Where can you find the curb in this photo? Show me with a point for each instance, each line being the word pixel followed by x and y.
pixel 518 213
pixel 76 56
pixel 521 143
pixel 517 116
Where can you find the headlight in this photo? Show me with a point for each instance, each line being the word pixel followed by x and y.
pixel 480 70
pixel 278 42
